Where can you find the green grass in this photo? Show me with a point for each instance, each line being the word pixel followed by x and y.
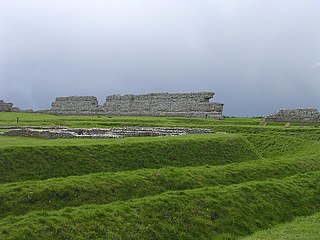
pixel 217 186
pixel 19 198
pixel 301 228
pixel 216 213
pixel 62 159
pixel 274 145
pixel 230 125
pixel 32 119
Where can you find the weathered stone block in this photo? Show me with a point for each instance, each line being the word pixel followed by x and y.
pixel 152 104
pixel 76 105
pixel 7 107
pixel 164 104
pixel 295 115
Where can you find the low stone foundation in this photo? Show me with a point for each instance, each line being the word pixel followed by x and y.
pixel 59 132
pixel 295 115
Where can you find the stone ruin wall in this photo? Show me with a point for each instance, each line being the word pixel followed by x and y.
pixel 164 104
pixel 153 104
pixel 295 115
pixel 76 105
pixel 7 107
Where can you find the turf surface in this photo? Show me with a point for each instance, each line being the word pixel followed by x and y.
pixel 241 181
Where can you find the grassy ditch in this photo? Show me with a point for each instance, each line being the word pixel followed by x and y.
pixel 216 213
pixel 19 198
pixel 43 162
pixel 274 145
pixel 301 228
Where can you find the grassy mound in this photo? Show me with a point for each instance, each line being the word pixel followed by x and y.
pixel 215 213
pixel 187 187
pixel 60 160
pixel 274 145
pixel 302 228
pixel 308 133
pixel 19 198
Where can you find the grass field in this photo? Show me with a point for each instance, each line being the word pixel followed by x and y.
pixel 302 228
pixel 244 182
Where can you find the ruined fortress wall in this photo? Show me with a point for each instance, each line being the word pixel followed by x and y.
pixel 153 104
pixel 76 105
pixel 7 107
pixel 164 104
pixel 295 115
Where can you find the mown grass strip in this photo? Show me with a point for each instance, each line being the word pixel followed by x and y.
pixel 215 213
pixel 301 228
pixel 43 162
pixel 19 198
pixel 35 119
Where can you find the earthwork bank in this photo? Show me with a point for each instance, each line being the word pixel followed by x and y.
pixel 239 180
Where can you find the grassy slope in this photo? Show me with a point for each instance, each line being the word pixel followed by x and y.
pixel 218 213
pixel 22 197
pixel 301 228
pixel 272 141
pixel 42 162
pixel 274 145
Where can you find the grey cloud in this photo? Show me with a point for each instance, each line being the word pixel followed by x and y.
pixel 316 66
pixel 256 55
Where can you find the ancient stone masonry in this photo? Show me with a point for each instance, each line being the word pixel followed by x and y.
pixel 54 133
pixel 153 104
pixel 164 104
pixel 295 115
pixel 7 107
pixel 76 105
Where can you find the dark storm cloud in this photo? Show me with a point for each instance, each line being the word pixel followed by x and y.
pixel 258 56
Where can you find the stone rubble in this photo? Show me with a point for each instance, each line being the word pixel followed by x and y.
pixel 76 105
pixel 60 132
pixel 7 107
pixel 295 115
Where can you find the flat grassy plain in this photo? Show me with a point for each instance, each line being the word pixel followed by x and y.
pixel 245 179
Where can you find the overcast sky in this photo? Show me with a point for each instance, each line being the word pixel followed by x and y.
pixel 257 55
